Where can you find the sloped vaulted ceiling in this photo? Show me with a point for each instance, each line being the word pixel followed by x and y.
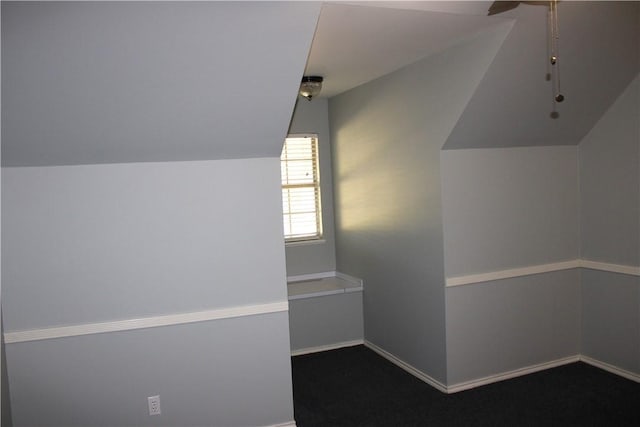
pixel 112 82
pixel 599 56
pixel 357 43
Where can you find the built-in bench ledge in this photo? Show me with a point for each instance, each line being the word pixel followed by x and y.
pixel 322 284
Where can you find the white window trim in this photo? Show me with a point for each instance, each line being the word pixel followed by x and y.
pixel 319 237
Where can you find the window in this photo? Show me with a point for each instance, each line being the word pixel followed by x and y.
pixel 301 188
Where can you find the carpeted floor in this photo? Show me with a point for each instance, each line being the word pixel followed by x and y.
pixel 356 387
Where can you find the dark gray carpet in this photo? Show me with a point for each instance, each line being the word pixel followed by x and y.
pixel 356 387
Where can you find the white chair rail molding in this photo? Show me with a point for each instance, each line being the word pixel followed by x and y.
pixel 542 268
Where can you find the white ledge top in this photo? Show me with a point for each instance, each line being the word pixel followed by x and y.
pixel 322 286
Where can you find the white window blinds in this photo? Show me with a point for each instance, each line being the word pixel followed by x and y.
pixel 301 188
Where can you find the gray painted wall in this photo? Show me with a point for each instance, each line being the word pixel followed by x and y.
pixel 89 83
pixel 609 183
pixel 386 136
pixel 4 386
pixel 610 228
pixel 611 318
pixel 504 325
pixel 232 372
pixel 327 320
pixel 5 402
pixel 111 82
pixel 96 243
pixel 316 257
pixel 104 242
pixel 508 208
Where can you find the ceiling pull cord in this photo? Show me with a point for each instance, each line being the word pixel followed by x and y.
pixel 555 50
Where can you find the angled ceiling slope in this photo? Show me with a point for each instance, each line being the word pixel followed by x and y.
pixel 112 82
pixel 599 57
pixel 361 41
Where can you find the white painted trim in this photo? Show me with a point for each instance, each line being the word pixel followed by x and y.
pixel 304 242
pixel 492 275
pixel 352 279
pixel 324 293
pixel 316 294
pixel 541 268
pixel 324 275
pixel 612 268
pixel 407 367
pixel 467 385
pixel 312 276
pixel 289 424
pixel 511 374
pixel 610 368
pixel 318 349
pixel 146 322
pixel 513 272
pixel 356 284
pixel 473 383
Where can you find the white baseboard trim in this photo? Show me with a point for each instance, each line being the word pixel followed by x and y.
pixel 407 367
pixel 467 385
pixel 610 368
pixel 318 349
pixel 511 374
pixel 146 322
pixel 473 383
pixel 541 268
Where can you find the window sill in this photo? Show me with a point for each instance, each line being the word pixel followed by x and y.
pixel 332 283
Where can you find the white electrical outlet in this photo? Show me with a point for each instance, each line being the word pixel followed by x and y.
pixel 154 405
